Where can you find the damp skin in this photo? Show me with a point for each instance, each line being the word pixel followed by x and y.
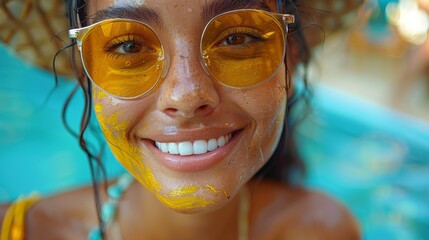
pixel 189 103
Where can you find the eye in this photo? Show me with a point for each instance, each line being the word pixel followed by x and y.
pixel 236 39
pixel 241 36
pixel 128 44
pixel 129 47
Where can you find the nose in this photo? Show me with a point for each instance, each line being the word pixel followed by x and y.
pixel 187 91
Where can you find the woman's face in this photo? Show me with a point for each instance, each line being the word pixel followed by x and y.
pixel 187 111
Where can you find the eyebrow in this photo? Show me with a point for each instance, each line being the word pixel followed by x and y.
pixel 217 7
pixel 150 15
pixel 140 13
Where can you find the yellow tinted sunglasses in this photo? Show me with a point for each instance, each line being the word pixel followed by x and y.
pixel 240 49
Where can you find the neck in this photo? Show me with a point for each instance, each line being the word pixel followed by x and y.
pixel 141 214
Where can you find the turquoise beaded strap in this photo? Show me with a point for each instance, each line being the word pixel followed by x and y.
pixel 108 209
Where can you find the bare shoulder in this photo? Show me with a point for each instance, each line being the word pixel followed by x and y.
pixel 299 213
pixel 69 213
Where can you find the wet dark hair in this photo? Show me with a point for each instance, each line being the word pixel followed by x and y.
pixel 285 165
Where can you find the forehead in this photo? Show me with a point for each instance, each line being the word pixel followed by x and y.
pixel 160 11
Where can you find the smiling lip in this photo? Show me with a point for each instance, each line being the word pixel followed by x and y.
pixel 195 162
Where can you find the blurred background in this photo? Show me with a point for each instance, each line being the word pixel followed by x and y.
pixel 365 138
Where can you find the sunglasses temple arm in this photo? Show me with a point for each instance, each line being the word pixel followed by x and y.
pixel 73 33
pixel 287 19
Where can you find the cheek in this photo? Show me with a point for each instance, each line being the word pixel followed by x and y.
pixel 270 122
pixel 115 124
pixel 267 110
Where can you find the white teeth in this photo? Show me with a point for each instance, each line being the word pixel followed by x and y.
pixel 185 148
pixel 164 147
pixel 173 148
pixel 196 147
pixel 221 141
pixel 212 144
pixel 200 147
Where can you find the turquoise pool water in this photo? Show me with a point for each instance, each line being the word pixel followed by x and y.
pixel 36 152
pixel 373 160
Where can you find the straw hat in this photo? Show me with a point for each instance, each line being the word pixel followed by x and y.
pixel 320 18
pixel 329 14
pixel 28 26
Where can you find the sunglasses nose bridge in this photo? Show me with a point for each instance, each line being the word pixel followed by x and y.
pixel 166 65
pixel 185 54
pixel 186 90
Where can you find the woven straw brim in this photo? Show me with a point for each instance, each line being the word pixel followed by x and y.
pixel 28 27
pixel 320 18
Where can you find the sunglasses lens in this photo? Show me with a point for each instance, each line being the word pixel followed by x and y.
pixel 123 57
pixel 243 48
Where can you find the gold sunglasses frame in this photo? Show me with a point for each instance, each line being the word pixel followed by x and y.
pixel 78 34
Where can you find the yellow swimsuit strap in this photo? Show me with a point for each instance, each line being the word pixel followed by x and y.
pixel 13 223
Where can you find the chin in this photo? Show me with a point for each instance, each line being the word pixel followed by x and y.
pixel 194 204
pixel 200 210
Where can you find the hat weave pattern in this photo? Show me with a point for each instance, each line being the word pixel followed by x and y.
pixel 29 26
